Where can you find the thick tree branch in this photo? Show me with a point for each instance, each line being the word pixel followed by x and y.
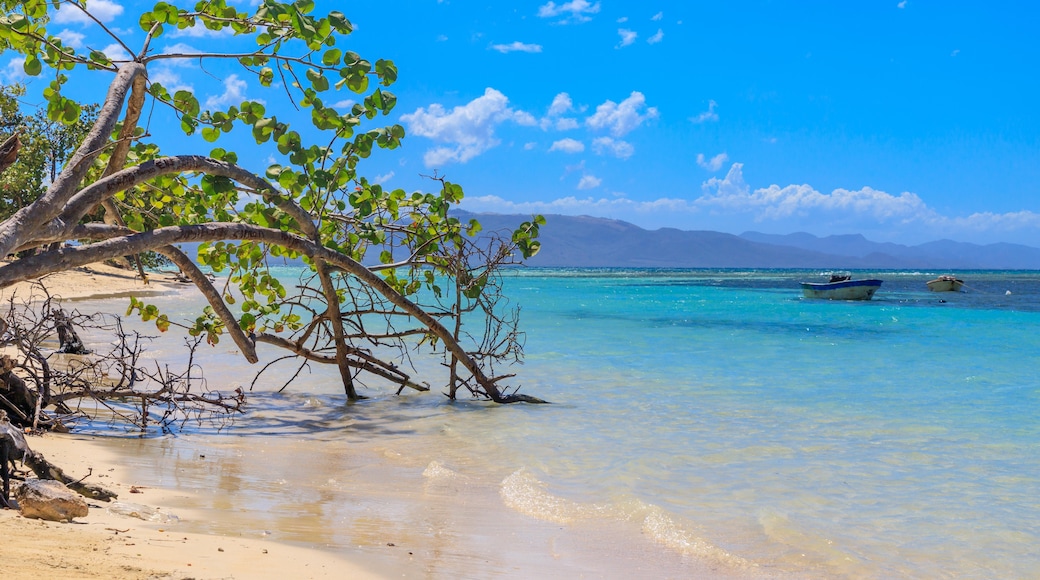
pixel 67 258
pixel 198 277
pixel 23 224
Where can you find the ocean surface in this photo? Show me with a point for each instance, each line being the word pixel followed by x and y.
pixel 704 423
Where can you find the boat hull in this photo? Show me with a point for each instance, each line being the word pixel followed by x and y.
pixel 943 285
pixel 846 290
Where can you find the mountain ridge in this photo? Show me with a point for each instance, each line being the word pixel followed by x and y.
pixel 585 241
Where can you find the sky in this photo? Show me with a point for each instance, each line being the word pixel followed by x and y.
pixel 906 121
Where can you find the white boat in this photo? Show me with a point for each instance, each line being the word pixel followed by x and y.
pixel 945 284
pixel 841 288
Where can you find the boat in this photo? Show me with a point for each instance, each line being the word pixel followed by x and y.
pixel 841 287
pixel 945 283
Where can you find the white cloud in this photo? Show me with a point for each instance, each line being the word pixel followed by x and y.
pixel 730 204
pixel 574 11
pixel 516 47
pixel 657 16
pixel 618 207
pixel 568 146
pixel 709 115
pixel 955 52
pixel 170 80
pixel 622 118
pixel 802 202
pixel 658 37
pixel 116 52
pixel 627 37
pixel 15 70
pixel 234 93
pixel 344 105
pixel 382 179
pixel 103 10
pixel 561 104
pixel 622 20
pixel 180 48
pixel 617 148
pixel 71 38
pixel 468 130
pixel 589 182
pixel 530 145
pixel 566 124
pixel 713 164
pixel 902 4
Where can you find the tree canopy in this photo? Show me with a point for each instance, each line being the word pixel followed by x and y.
pixel 390 271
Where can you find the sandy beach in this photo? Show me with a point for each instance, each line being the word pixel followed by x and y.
pixel 109 544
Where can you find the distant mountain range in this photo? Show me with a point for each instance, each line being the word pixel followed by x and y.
pixel 582 241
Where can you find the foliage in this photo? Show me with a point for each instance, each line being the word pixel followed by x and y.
pixel 46 146
pixel 379 257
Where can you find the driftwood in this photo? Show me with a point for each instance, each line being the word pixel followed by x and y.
pixel 46 470
pixel 14 447
pixel 69 341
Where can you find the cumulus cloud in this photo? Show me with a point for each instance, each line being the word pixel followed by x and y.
pixel 658 37
pixel 589 182
pixel 104 10
pixel 234 93
pixel 169 79
pixel 621 119
pixel 71 38
pixel 657 16
pixel 15 70
pixel 116 52
pixel 627 37
pixel 574 11
pixel 381 179
pixel 713 164
pixel 561 105
pixel 516 46
pixel 618 207
pixel 775 202
pixel 180 48
pixel 466 131
pixel 614 147
pixel 709 115
pixel 568 146
pixel 566 124
pixel 730 204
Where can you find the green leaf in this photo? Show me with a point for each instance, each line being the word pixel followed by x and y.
pixel 32 65
pixel 210 134
pixel 331 57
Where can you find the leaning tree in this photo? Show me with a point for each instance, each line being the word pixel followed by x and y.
pixel 389 271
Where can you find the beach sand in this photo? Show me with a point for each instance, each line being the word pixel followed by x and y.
pixel 109 545
pixel 329 508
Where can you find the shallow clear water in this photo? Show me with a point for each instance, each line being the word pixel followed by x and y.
pixel 716 415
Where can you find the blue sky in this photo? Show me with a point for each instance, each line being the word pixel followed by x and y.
pixel 906 121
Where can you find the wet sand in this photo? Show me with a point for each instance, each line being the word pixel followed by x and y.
pixel 110 545
pixel 385 504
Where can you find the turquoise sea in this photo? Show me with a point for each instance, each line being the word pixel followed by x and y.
pixel 705 423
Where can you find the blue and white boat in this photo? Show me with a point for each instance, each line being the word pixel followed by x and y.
pixel 841 287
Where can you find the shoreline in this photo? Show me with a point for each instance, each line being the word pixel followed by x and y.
pixel 109 545
pixel 374 507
